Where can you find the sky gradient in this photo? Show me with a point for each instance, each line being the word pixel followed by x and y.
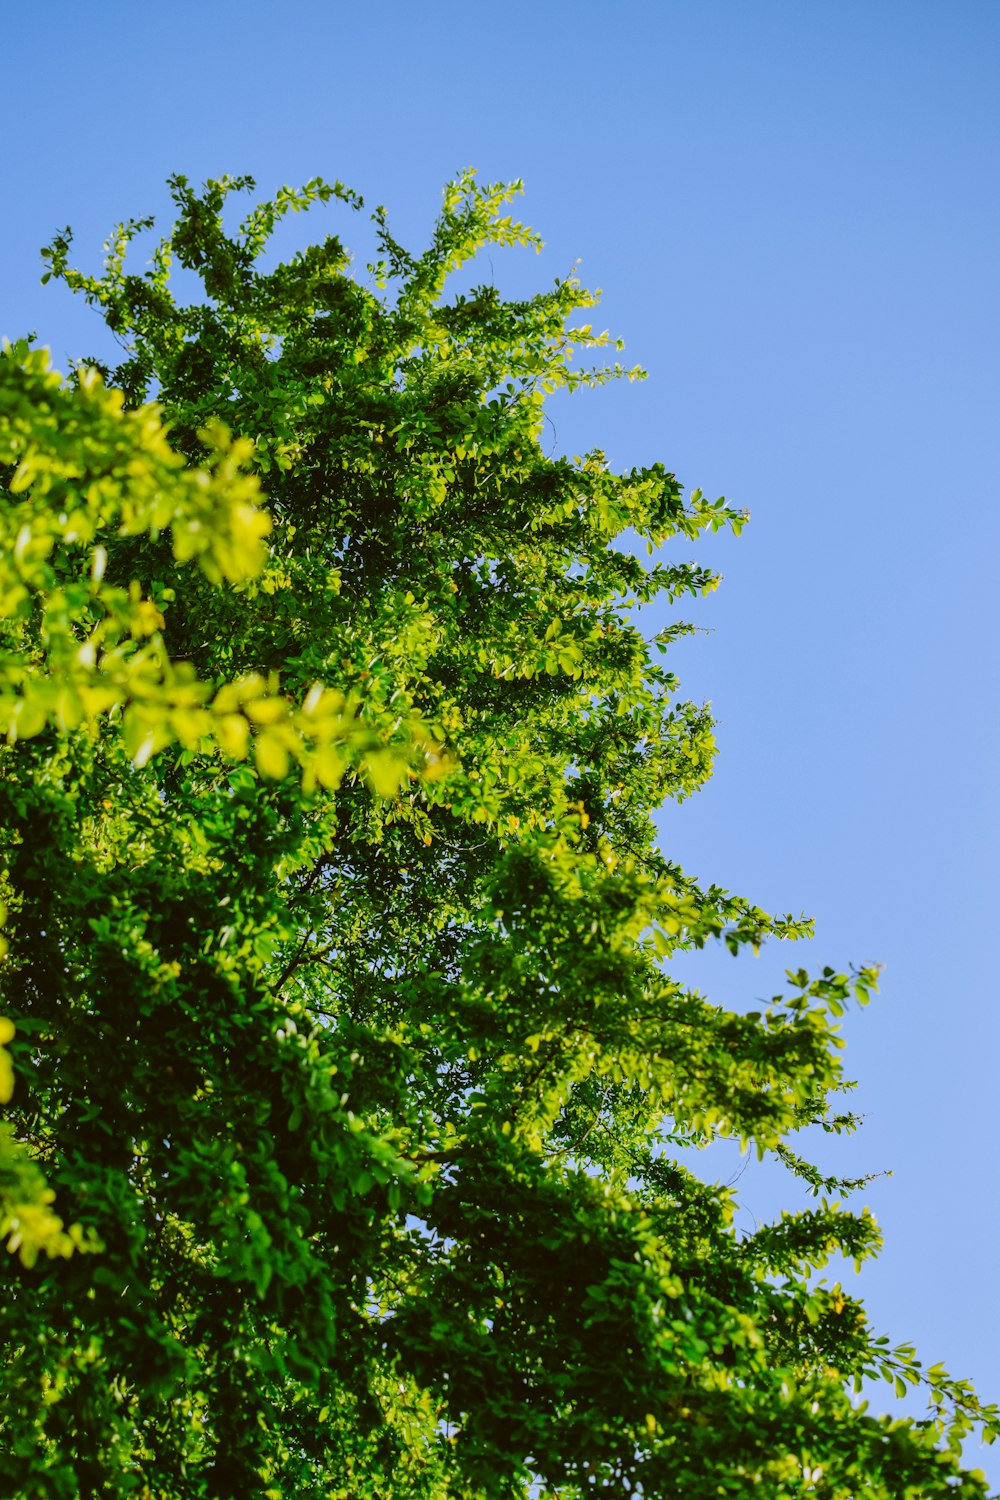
pixel 793 212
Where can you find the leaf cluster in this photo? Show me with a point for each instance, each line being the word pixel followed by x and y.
pixel 339 937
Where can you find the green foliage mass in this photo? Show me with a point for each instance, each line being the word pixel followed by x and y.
pixel 338 940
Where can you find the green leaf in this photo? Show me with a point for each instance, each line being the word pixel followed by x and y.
pixel 271 755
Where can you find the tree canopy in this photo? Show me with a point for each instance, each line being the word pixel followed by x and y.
pixel 349 1097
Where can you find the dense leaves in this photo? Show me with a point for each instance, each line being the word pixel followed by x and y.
pixel 344 1039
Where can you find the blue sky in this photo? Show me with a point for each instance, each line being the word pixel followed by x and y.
pixel 793 211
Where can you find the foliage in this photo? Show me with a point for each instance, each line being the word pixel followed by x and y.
pixel 343 1030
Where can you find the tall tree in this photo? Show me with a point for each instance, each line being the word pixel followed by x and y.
pixel 344 1039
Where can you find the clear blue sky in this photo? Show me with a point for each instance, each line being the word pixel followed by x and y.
pixel 793 211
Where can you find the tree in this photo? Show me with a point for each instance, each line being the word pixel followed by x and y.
pixel 344 1039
